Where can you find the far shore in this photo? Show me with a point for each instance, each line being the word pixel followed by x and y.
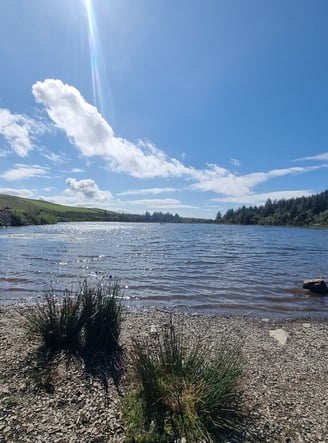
pixel 284 387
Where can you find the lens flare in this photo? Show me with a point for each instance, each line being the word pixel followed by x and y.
pixel 97 66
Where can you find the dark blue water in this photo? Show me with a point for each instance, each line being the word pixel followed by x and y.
pixel 210 269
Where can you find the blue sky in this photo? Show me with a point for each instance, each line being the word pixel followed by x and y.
pixel 183 106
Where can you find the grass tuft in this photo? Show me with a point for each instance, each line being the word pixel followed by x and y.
pixel 57 322
pixel 102 310
pixel 182 390
pixel 88 320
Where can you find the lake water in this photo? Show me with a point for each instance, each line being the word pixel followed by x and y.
pixel 210 269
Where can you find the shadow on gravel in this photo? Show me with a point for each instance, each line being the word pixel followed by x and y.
pixel 41 366
pixel 103 367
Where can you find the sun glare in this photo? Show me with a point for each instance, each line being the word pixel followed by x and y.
pixel 98 72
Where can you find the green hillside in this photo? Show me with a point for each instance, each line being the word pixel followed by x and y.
pixel 19 211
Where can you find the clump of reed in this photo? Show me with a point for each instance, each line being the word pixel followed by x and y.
pixel 102 312
pixel 183 391
pixel 88 319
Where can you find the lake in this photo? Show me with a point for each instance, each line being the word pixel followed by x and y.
pixel 207 269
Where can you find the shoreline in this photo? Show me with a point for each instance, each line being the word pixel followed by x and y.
pixel 255 315
pixel 284 387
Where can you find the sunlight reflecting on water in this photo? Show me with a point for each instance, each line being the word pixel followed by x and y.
pixel 194 268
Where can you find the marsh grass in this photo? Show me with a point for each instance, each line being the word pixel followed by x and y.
pixel 57 322
pixel 85 324
pixel 102 310
pixel 182 390
pixel 88 320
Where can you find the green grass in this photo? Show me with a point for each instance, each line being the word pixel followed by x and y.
pixel 87 320
pixel 57 321
pixel 26 211
pixel 102 310
pixel 182 390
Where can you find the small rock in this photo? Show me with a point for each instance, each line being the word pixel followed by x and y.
pixel 280 335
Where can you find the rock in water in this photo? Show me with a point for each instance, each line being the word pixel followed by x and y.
pixel 317 285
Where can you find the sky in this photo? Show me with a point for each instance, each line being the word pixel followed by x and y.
pixel 180 106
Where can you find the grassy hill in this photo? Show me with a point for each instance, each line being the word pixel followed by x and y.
pixel 23 211
pixel 17 211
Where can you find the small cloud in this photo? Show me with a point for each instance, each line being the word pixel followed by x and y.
pixel 88 189
pixel 57 159
pixel 4 153
pixel 22 172
pixel 235 162
pixel 19 130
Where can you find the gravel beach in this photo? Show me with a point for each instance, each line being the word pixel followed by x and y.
pixel 285 385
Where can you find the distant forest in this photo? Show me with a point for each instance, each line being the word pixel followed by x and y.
pixel 302 211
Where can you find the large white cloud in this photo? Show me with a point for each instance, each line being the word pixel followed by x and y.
pixel 93 136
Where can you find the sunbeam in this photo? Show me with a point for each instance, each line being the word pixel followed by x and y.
pixel 97 66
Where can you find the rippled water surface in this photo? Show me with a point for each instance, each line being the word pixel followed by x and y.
pixel 195 268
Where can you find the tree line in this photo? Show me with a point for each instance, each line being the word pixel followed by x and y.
pixel 301 211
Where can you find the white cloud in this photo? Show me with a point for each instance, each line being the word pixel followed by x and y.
pixel 259 199
pixel 235 162
pixel 88 189
pixel 57 159
pixel 88 131
pixel 19 130
pixel 21 172
pixel 24 193
pixel 153 191
pixel 4 153
pixel 93 136
pixel 320 157
pixel 14 129
pixel 223 181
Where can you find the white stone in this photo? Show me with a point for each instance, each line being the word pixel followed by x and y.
pixel 280 335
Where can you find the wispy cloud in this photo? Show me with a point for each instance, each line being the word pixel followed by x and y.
pixel 4 153
pixel 22 172
pixel 235 162
pixel 19 130
pixel 93 136
pixel 88 189
pixel 223 181
pixel 259 199
pixel 25 193
pixel 152 191
pixel 56 159
pixel 319 157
